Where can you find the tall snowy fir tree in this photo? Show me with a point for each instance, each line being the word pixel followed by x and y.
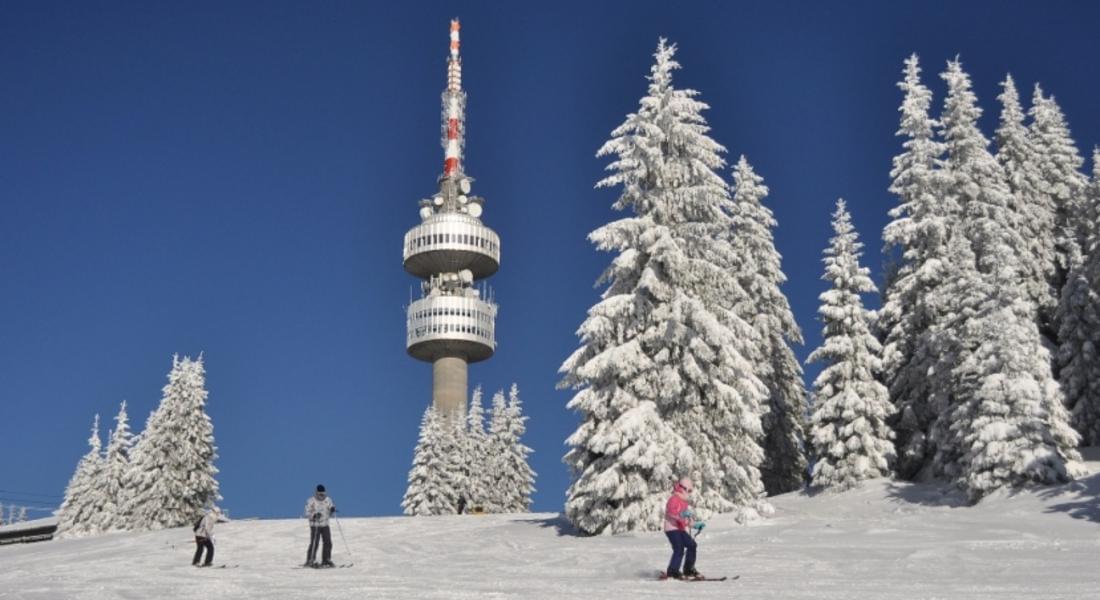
pixel 664 385
pixel 1060 169
pixel 766 308
pixel 115 469
pixel 83 504
pixel 851 439
pixel 1000 416
pixel 920 229
pixel 480 476
pixel 1079 316
pixel 172 474
pixel 515 480
pixel 432 487
pixel 1018 158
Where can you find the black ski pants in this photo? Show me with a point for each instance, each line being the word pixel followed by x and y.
pixel 317 535
pixel 200 543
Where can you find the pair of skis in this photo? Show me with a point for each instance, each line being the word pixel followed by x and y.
pixel 320 568
pixel 662 576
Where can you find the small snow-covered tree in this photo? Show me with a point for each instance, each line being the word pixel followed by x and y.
pixel 515 478
pixel 172 474
pixel 83 502
pixel 1059 165
pixel 662 365
pixel 851 439
pixel 1017 155
pixel 480 477
pixel 913 309
pixel 766 308
pixel 22 514
pixel 431 488
pixel 115 470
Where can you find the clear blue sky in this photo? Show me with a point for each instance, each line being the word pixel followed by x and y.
pixel 235 179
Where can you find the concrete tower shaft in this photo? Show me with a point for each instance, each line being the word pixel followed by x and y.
pixel 454 321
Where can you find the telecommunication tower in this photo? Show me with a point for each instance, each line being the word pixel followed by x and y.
pixel 453 322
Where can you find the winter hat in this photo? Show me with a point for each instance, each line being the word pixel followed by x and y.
pixel 684 485
pixel 320 488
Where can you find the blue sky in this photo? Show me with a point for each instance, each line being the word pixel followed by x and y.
pixel 235 179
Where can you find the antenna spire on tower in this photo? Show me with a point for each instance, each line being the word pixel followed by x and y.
pixel 454 108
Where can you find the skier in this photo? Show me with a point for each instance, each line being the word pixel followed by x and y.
pixel 678 519
pixel 319 508
pixel 204 537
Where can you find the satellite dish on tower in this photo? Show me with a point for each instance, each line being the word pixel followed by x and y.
pixel 466 275
pixel 425 212
pixel 474 210
pixel 464 186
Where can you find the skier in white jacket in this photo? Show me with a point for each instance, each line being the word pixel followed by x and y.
pixel 319 508
pixel 204 537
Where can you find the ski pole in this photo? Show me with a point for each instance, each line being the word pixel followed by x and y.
pixel 341 530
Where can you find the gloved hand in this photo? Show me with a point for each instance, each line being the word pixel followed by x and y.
pixel 687 514
pixel 699 525
pixel 316 517
pixel 332 510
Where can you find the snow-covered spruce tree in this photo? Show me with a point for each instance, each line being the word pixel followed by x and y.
pixel 920 229
pixel 480 477
pixel 1018 158
pixel 515 478
pixel 989 212
pixel 766 308
pixel 172 474
pixel 1079 317
pixel 115 469
pixel 79 514
pixel 1006 425
pixel 1060 169
pixel 850 437
pixel 664 386
pixel 22 514
pixel 434 486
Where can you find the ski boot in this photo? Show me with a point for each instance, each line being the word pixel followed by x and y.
pixel 693 574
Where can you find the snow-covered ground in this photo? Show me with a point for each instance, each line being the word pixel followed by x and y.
pixel 885 541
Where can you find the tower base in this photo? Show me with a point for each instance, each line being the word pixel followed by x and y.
pixel 449 385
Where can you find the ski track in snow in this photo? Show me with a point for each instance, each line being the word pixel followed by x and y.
pixel 887 540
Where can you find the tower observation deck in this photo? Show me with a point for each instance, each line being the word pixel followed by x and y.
pixel 452 324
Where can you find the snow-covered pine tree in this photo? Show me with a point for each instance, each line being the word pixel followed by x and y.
pixel 480 477
pixel 988 209
pixel 765 307
pixel 920 229
pixel 1079 317
pixel 83 502
pixel 22 514
pixel 1060 169
pixel 2 521
pixel 516 479
pixel 850 436
pixel 431 489
pixel 115 469
pixel 1018 158
pixel 1006 425
pixel 1078 358
pixel 662 372
pixel 172 473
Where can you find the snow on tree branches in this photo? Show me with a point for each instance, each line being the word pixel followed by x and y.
pixel 665 386
pixel 851 439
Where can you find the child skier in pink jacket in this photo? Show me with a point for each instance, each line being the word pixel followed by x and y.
pixel 678 519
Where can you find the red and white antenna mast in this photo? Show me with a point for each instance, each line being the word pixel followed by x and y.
pixel 454 110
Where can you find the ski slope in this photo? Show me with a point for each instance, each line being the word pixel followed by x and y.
pixel 884 541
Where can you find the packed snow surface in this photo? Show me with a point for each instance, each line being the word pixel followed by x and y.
pixel 885 540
